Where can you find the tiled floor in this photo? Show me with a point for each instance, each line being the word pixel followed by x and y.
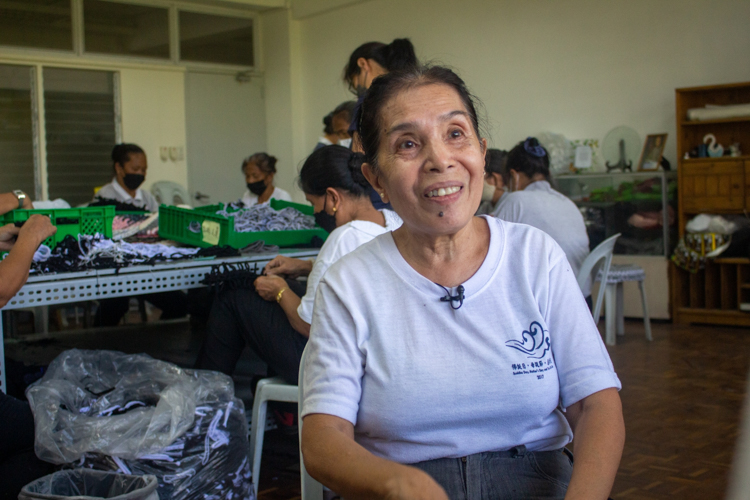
pixel 682 395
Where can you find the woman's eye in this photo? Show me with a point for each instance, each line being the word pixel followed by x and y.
pixel 455 134
pixel 407 145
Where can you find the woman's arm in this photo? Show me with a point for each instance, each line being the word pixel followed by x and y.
pixel 336 460
pixel 599 436
pixel 289 267
pixel 14 269
pixel 269 287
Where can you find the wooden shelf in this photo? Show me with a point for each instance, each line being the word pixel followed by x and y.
pixel 693 123
pixel 732 260
pixel 712 185
pixel 709 159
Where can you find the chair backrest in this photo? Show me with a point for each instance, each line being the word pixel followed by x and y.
pixel 311 489
pixel 599 258
pixel 170 193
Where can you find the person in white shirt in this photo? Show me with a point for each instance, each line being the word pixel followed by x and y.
pixel 259 170
pixel 273 316
pixel 130 165
pixel 454 357
pixel 336 126
pixel 533 201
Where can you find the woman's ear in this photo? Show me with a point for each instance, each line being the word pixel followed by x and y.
pixel 335 198
pixel 374 180
pixel 363 64
pixel 483 144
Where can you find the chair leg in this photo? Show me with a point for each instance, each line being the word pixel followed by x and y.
pixel 646 318
pixel 620 309
pixel 610 314
pixel 260 406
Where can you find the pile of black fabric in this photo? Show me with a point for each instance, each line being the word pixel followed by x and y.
pixel 208 462
pixel 69 255
pixel 119 205
pixel 231 276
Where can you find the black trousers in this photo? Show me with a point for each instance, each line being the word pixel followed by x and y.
pixel 18 464
pixel 172 304
pixel 240 317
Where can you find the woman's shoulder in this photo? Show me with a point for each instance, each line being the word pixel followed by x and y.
pixel 525 240
pixel 281 194
pixel 366 257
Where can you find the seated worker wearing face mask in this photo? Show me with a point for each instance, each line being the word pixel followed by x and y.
pixel 259 170
pixel 337 126
pixel 130 171
pixel 130 165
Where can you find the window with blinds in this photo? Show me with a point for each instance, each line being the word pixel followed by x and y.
pixel 79 115
pixel 16 130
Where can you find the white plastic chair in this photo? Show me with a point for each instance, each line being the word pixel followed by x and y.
pixel 275 389
pixel 268 389
pixel 591 266
pixel 311 489
pixel 170 193
pixel 614 298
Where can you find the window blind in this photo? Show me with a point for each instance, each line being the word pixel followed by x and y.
pixel 79 113
pixel 16 130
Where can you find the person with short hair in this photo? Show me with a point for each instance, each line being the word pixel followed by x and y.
pixel 453 357
pixel 495 177
pixel 273 315
pixel 130 165
pixel 336 126
pixel 532 200
pixel 259 170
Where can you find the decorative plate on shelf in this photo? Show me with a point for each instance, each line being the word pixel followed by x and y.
pixel 611 146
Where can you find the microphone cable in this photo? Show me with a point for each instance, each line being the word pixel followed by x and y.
pixel 453 298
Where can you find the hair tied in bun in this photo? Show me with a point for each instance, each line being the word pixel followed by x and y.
pixel 532 146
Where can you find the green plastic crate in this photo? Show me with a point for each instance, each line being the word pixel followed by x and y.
pixel 69 221
pixel 174 224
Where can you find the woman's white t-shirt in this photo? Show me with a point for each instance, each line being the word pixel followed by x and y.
pixel 250 199
pixel 544 208
pixel 421 380
pixel 340 242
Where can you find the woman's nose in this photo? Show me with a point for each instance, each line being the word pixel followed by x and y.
pixel 438 157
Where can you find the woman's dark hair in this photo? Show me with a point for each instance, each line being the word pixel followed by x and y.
pixel 387 86
pixel 266 163
pixel 335 167
pixel 121 153
pixel 346 107
pixel 528 157
pixel 328 123
pixel 494 163
pixel 398 55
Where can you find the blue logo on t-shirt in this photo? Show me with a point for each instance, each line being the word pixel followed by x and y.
pixel 535 341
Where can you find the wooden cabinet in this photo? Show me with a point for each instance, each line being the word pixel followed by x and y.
pixel 713 186
pixel 720 293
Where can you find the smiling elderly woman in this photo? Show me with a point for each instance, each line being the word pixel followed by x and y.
pixel 454 357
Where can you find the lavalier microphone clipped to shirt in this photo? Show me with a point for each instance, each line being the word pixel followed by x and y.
pixel 459 297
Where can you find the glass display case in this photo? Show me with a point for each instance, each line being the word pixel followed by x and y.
pixel 640 205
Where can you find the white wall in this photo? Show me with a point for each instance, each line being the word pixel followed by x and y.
pixel 226 122
pixel 576 67
pixel 283 94
pixel 153 115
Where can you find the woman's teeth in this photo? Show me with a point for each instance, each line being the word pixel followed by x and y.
pixel 443 191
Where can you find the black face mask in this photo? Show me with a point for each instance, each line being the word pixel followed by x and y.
pixel 257 188
pixel 132 181
pixel 325 220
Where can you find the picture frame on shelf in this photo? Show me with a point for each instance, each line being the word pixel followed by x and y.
pixel 653 149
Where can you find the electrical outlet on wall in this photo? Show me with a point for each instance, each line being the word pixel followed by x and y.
pixel 164 153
